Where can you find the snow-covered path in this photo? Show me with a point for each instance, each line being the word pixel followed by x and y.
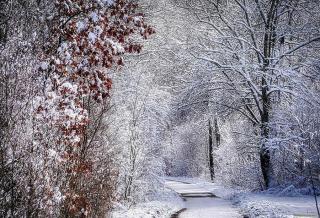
pixel 200 202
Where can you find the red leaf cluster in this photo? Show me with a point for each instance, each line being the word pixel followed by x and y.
pixel 87 38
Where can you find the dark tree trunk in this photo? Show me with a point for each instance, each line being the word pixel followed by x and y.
pixel 264 152
pixel 268 45
pixel 211 163
pixel 217 132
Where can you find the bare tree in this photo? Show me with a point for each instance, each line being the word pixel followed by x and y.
pixel 252 57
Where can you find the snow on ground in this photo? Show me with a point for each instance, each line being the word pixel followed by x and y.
pixel 167 203
pixel 199 204
pixel 187 188
pixel 255 204
pixel 266 205
pixel 218 190
pixel 230 203
pixel 153 209
pixel 209 207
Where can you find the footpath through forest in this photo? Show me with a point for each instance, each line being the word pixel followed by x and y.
pixel 209 200
pixel 201 202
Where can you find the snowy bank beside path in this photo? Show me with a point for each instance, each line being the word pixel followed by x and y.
pixel 165 204
pixel 153 209
pixel 267 205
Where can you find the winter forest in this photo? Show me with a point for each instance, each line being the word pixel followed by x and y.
pixel 163 108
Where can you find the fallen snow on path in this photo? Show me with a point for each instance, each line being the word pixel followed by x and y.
pixel 186 188
pixel 200 206
pixel 210 208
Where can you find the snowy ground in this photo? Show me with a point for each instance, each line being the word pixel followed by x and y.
pixel 200 203
pixel 230 203
pixel 153 209
pixel 265 205
pixel 166 204
pixel 248 204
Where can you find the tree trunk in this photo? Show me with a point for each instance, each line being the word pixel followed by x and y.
pixel 211 163
pixel 217 132
pixel 268 46
pixel 264 151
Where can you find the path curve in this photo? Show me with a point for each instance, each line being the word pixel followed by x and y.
pixel 201 203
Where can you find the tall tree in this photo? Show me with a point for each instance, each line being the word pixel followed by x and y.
pixel 251 54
